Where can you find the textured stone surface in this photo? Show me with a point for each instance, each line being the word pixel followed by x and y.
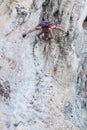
pixel 43 86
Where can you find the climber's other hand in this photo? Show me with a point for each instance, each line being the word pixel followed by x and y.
pixel 67 33
pixel 24 35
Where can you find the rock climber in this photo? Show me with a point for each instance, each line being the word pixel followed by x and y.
pixel 45 28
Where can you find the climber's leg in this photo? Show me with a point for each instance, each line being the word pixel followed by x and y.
pixel 38 35
pixel 50 33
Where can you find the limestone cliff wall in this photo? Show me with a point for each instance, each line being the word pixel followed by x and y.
pixel 43 84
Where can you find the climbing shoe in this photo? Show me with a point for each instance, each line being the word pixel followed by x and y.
pixel 24 35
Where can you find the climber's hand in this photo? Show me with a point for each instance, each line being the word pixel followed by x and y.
pixel 24 35
pixel 67 33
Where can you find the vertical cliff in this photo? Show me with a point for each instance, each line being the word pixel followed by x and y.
pixel 43 84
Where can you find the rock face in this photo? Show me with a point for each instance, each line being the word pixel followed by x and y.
pixel 43 85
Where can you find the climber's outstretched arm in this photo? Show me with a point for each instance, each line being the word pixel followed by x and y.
pixel 31 30
pixel 61 29
pixel 34 29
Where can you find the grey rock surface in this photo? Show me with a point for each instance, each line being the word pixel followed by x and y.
pixel 43 84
